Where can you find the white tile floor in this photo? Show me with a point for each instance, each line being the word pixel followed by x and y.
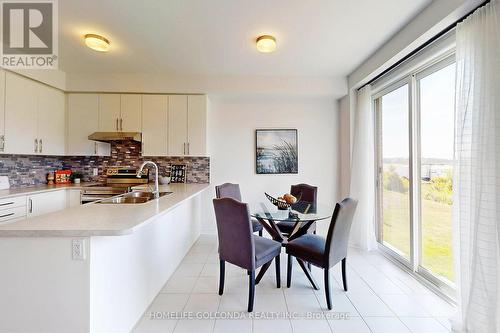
pixel 381 298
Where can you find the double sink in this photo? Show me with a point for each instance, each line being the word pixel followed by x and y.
pixel 135 197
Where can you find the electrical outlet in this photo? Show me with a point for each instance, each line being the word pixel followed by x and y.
pixel 95 171
pixel 78 249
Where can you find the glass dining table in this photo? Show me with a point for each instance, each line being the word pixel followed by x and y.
pixel 301 216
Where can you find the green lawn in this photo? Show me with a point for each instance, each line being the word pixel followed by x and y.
pixel 436 231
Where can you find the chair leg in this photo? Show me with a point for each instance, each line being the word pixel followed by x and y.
pixel 278 271
pixel 289 272
pixel 263 271
pixel 260 233
pixel 344 274
pixel 222 274
pixel 251 289
pixel 326 271
pixel 308 274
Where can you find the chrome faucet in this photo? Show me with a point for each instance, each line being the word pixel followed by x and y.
pixel 156 192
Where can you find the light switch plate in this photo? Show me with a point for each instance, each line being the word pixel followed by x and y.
pixel 95 171
pixel 78 249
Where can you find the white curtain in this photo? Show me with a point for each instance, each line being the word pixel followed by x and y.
pixel 477 171
pixel 362 185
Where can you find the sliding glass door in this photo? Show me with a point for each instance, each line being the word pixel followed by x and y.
pixel 436 99
pixel 395 168
pixel 415 141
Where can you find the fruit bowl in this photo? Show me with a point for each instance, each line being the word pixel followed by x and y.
pixel 281 204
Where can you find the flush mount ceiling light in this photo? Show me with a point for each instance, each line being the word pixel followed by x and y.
pixel 97 42
pixel 266 43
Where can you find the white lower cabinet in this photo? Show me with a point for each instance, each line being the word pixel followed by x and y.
pixel 74 198
pixel 12 209
pixel 48 202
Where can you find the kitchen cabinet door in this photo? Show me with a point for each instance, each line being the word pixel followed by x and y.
pixel 177 125
pixel 154 125
pixel 197 125
pixel 109 112
pixel 20 115
pixel 74 198
pixel 44 203
pixel 51 121
pixel 2 110
pixel 130 116
pixel 83 120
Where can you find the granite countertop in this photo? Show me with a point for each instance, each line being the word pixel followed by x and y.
pixel 12 192
pixel 96 219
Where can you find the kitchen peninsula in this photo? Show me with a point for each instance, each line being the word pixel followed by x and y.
pixel 100 265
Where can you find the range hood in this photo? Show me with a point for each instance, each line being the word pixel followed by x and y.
pixel 116 136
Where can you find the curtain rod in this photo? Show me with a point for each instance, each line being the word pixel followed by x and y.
pixel 424 45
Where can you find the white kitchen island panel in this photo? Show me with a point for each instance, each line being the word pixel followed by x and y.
pixel 45 290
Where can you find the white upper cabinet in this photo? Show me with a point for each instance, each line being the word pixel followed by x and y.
pixel 51 121
pixel 119 113
pixel 197 125
pixel 38 119
pixel 187 119
pixel 130 115
pixel 177 125
pixel 34 117
pixel 83 120
pixel 21 96
pixel 109 112
pixel 154 125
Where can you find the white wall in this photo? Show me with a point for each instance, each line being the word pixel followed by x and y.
pixel 432 20
pixel 231 131
pixel 345 145
pixel 222 85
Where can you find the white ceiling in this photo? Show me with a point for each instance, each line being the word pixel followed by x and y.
pixel 322 38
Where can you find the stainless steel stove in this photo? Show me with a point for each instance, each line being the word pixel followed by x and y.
pixel 119 180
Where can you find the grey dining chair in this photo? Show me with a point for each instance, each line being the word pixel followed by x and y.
pixel 325 253
pixel 238 245
pixel 228 190
pixel 306 193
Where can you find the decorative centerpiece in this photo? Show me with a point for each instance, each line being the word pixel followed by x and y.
pixel 284 202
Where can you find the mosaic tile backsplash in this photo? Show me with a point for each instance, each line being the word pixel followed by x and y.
pixel 28 170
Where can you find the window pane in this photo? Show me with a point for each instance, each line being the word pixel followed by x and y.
pixel 395 171
pixel 437 92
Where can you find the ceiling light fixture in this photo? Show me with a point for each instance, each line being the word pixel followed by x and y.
pixel 266 43
pixel 97 42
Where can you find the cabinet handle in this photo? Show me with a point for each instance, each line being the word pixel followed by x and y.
pixel 117 124
pixel 5 215
pixel 184 148
pixel 121 124
pixel 188 148
pixel 41 146
pixel 31 206
pixel 2 143
pixel 95 148
pixel 36 145
pixel 7 203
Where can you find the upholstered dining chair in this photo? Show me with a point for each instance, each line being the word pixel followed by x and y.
pixel 325 253
pixel 306 193
pixel 228 190
pixel 238 245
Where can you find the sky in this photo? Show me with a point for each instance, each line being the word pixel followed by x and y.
pixel 268 139
pixel 437 95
